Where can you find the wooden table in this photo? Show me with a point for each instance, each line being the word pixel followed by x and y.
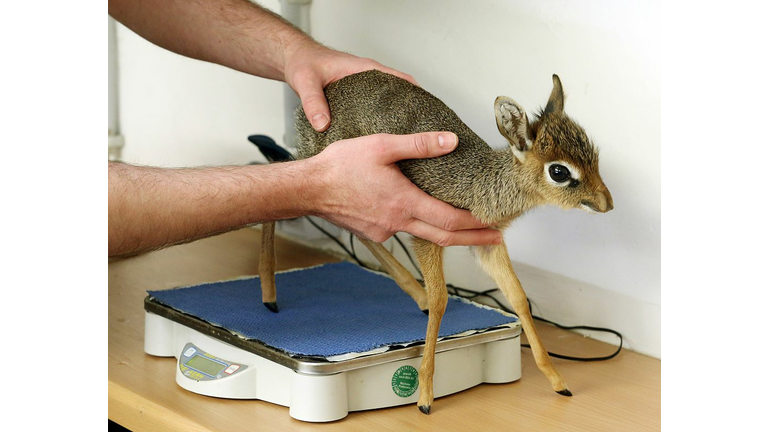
pixel 622 394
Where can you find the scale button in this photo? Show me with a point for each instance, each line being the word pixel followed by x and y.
pixel 189 352
pixel 232 369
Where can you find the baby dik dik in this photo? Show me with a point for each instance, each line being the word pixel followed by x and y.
pixel 550 160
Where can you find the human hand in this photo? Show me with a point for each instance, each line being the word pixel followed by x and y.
pixel 362 190
pixel 310 67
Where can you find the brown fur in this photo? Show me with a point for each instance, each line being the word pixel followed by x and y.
pixel 493 184
pixel 497 186
pixel 267 263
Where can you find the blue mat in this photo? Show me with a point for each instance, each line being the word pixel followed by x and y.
pixel 324 311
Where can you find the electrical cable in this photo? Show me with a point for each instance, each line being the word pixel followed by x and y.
pixel 410 258
pixel 501 306
pixel 487 294
pixel 338 242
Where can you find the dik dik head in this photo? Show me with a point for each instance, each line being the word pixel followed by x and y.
pixel 555 153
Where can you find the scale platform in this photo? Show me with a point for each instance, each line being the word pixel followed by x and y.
pixel 345 339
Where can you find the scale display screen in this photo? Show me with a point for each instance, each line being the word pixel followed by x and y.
pixel 205 365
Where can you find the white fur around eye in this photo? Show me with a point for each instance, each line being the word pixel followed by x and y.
pixel 575 174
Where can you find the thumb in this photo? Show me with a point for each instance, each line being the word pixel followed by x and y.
pixel 418 146
pixel 314 103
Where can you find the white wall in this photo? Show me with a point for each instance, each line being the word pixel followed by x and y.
pixel 577 268
pixel 175 111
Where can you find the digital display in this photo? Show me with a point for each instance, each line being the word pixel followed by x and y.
pixel 205 365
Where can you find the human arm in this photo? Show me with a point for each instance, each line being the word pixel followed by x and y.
pixel 353 183
pixel 151 208
pixel 246 37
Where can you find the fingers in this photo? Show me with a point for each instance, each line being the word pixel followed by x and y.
pixel 416 146
pixel 310 91
pixel 441 237
pixel 445 225
pixel 309 85
pixel 443 215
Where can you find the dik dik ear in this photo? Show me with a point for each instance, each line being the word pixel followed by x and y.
pixel 556 98
pixel 513 125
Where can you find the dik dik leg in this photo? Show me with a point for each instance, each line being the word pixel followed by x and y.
pixel 267 266
pixel 403 277
pixel 430 258
pixel 495 260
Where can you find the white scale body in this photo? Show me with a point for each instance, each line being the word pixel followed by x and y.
pixel 212 361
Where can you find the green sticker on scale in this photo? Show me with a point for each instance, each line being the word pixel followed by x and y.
pixel 405 381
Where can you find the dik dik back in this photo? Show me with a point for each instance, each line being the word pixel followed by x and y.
pixel 373 102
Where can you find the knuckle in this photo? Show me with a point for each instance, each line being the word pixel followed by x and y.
pixel 302 79
pixel 380 139
pixel 380 236
pixel 313 101
pixel 450 224
pixel 443 240
pixel 420 144
pixel 379 145
pixel 305 73
pixel 402 205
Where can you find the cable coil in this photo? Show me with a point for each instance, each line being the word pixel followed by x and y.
pixel 487 293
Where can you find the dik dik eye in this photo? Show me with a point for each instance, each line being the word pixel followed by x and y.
pixel 559 173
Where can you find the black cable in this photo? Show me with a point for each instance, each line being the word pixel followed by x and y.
pixel 487 293
pixel 501 306
pixel 410 258
pixel 337 241
pixel 583 327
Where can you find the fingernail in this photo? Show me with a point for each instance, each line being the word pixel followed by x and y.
pixel 319 121
pixel 447 141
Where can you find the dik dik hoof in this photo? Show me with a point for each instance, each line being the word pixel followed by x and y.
pixel 425 408
pixel 271 306
pixel 565 392
pixel 426 311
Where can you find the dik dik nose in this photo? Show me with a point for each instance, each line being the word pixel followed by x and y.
pixel 605 201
